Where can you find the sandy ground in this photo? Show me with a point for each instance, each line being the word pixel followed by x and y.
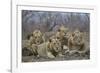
pixel 66 57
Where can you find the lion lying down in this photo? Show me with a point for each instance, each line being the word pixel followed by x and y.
pixel 49 49
pixel 62 42
pixel 77 43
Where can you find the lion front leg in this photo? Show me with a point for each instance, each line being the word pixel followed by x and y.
pixel 50 55
pixel 71 52
pixel 60 55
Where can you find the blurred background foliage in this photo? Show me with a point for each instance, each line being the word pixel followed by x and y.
pixel 47 21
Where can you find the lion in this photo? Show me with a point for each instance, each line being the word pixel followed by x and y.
pixel 49 49
pixel 33 39
pixel 62 31
pixel 26 48
pixel 62 35
pixel 76 42
pixel 33 49
pixel 27 45
pixel 38 37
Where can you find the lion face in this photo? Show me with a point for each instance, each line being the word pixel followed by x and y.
pixel 62 31
pixel 55 45
pixel 77 37
pixel 75 40
pixel 37 37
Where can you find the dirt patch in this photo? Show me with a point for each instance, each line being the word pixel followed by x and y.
pixel 66 57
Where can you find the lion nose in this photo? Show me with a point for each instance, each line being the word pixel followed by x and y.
pixel 57 48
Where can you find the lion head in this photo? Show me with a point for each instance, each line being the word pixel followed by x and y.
pixel 62 35
pixel 62 31
pixel 38 37
pixel 54 45
pixel 76 40
pixel 77 37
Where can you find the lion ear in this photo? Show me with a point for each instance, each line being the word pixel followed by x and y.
pixel 73 34
pixel 58 30
pixel 28 36
pixel 50 40
pixel 58 38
